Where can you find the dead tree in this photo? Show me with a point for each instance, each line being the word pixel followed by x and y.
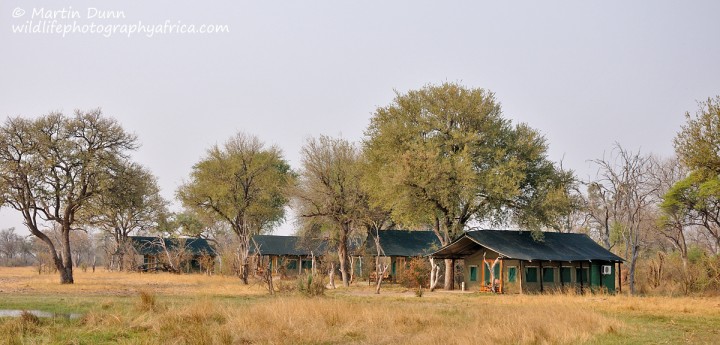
pixel 380 268
pixel 266 277
pixel 434 274
pixel 493 288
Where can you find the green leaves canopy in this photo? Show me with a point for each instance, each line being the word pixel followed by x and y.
pixel 243 183
pixel 444 155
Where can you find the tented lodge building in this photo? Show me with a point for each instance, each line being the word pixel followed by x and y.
pixel 556 261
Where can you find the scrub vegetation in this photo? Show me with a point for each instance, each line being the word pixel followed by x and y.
pixel 150 308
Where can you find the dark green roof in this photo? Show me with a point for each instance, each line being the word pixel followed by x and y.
pixel 286 245
pixel 408 243
pixel 146 245
pixel 521 245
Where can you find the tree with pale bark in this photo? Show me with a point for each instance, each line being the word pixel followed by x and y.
pixel 243 183
pixel 329 198
pixel 626 182
pixel 55 166
pixel 132 204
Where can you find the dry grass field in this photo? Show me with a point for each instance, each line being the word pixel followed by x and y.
pixel 161 308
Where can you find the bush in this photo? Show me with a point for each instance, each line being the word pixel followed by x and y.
pixel 416 274
pixel 148 302
pixel 311 285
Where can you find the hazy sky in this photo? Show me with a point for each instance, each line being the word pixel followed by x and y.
pixel 585 73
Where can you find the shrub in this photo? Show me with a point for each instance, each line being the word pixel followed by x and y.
pixel 148 302
pixel 311 285
pixel 416 274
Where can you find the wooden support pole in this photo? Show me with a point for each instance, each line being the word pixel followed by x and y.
pixel 541 275
pixel 582 274
pixel 452 275
pixel 619 274
pixel 520 275
pixel 562 284
pixel 501 276
pixel 299 264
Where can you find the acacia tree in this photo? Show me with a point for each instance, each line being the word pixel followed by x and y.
pixel 329 196
pixel 445 156
pixel 675 217
pixel 132 204
pixel 53 167
pixel 243 183
pixel 697 196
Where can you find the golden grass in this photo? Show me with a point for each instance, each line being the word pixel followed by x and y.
pixel 26 280
pixel 135 308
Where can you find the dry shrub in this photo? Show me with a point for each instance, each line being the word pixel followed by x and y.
pixel 101 319
pixel 416 275
pixel 198 323
pixel 667 275
pixel 311 285
pixel 28 318
pixel 148 302
pixel 14 331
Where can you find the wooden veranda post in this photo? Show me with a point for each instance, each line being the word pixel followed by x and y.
pixel 501 276
pixel 619 274
pixel 520 276
pixel 541 275
pixel 582 275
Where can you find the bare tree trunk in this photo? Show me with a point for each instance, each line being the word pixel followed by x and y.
pixel 631 274
pixel 492 272
pixel 352 268
pixel 267 276
pixel 342 255
pixel 332 275
pixel 380 273
pixel 66 269
pixel 434 274
pixel 449 274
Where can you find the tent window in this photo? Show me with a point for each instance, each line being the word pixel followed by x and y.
pixel 531 274
pixel 512 272
pixel 473 273
pixel 581 276
pixel 548 274
pixel 565 275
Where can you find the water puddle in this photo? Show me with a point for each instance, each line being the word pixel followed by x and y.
pixel 39 313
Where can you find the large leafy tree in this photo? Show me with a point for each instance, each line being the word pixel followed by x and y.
pixel 132 204
pixel 444 155
pixel 696 198
pixel 243 183
pixel 329 197
pixel 53 167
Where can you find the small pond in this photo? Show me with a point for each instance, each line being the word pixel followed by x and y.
pixel 38 313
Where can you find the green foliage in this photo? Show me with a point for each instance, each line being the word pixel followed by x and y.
pixel 328 195
pixel 242 183
pixel 131 203
pixel 695 254
pixel 445 153
pixel 54 166
pixel 697 143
